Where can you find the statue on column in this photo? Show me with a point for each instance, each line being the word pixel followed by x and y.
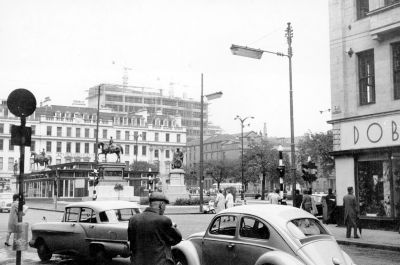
pixel 177 160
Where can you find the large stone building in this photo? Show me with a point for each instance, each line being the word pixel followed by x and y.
pixel 68 134
pixel 130 99
pixel 365 83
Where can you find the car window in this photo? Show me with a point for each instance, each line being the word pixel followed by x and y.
pixel 224 225
pixel 71 214
pixel 88 216
pixel 253 228
pixel 103 217
pixel 125 214
pixel 305 227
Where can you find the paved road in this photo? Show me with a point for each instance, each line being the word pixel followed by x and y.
pixel 188 224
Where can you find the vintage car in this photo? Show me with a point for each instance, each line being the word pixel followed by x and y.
pixel 94 230
pixel 262 235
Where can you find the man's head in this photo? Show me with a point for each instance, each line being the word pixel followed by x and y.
pixel 350 190
pixel 158 201
pixel 15 197
pixel 277 190
pixel 329 191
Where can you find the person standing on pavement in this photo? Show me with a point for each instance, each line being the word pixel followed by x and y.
pixel 151 234
pixel 306 203
pixel 219 202
pixel 350 212
pixel 298 198
pixel 274 197
pixel 331 204
pixel 12 219
pixel 229 199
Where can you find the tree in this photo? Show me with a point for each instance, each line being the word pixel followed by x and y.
pixel 220 170
pixel 262 158
pixel 318 146
pixel 118 187
pixel 144 166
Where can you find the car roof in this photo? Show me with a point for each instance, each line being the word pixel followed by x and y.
pixel 100 206
pixel 272 213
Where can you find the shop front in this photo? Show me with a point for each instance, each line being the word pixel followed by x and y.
pixel 367 157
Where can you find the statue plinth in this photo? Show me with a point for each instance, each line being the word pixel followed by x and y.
pixel 176 187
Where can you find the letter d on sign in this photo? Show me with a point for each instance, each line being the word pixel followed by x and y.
pixel 395 134
pixel 356 135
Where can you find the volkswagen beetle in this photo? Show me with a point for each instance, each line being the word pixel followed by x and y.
pixel 94 229
pixel 262 235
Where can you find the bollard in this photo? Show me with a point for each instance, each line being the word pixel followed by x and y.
pixel 21 237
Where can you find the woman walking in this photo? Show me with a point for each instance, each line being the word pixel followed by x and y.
pixel 219 201
pixel 12 219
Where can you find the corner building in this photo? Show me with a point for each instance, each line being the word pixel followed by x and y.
pixel 365 89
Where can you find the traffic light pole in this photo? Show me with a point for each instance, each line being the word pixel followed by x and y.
pixel 281 167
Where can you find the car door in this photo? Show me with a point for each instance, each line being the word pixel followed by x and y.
pixel 218 247
pixel 88 222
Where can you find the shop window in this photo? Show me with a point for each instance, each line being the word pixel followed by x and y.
pixel 396 183
pixel 374 188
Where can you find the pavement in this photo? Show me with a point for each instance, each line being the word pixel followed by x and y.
pixel 375 239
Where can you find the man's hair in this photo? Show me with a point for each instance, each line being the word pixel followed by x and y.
pixel 15 196
pixel 277 190
pixel 349 189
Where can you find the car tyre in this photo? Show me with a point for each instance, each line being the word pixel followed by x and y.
pixel 100 257
pixel 43 252
pixel 180 259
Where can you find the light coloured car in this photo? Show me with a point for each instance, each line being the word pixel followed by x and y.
pixel 94 230
pixel 5 201
pixel 262 235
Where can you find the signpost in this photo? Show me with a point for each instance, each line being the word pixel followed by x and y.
pixel 21 103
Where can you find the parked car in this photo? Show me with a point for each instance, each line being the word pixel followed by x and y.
pixel 96 230
pixel 318 202
pixel 5 201
pixel 254 235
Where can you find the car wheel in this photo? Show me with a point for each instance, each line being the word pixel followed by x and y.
pixel 100 257
pixel 43 252
pixel 180 259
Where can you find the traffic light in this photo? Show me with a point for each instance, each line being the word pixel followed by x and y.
pixel 281 171
pixel 309 171
pixel 93 178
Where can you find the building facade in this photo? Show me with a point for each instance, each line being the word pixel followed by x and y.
pixel 130 99
pixel 365 89
pixel 68 134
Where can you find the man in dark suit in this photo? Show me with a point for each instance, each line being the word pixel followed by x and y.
pixel 350 212
pixel 151 234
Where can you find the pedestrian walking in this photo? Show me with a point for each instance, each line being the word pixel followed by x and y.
pixel 274 197
pixel 229 199
pixel 151 234
pixel 306 203
pixel 12 219
pixel 330 200
pixel 350 212
pixel 219 202
pixel 298 198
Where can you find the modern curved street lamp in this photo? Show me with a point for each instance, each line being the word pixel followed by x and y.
pixel 257 54
pixel 242 125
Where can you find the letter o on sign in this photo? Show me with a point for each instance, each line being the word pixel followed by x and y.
pixel 374 132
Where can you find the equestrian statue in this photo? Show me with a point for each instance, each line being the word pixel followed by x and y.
pixel 41 159
pixel 109 148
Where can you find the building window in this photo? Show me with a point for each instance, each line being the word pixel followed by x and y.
pixel 10 163
pixel 33 127
pixel 362 8
pixel 366 73
pixel 78 132
pixel 10 146
pixel 127 149
pixel 33 145
pixel 178 138
pixel 87 132
pixel 1 144
pixel 143 150
pixel 167 137
pixel 59 131
pixel 58 147
pixel 166 153
pixel 1 163
pixel 48 132
pixel 68 147
pixel 118 136
pixel 135 150
pixel 156 137
pixel 77 147
pixel 86 148
pixel 48 146
pixel 396 69
pixel 58 161
pixel 69 130
pixel 104 134
pixel 156 153
pixel 127 135
pixel 1 127
pixel 143 136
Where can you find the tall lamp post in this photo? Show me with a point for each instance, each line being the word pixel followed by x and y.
pixel 257 54
pixel 242 120
pixel 136 137
pixel 209 97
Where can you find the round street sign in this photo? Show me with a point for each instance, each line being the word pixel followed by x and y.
pixel 21 102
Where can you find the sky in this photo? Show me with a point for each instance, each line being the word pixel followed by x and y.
pixel 59 49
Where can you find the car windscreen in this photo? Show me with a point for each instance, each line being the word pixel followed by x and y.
pixel 306 227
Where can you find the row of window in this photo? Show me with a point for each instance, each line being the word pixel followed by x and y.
pixel 363 7
pixel 366 74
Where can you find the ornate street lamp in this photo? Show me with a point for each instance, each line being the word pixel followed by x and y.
pixel 242 120
pixel 257 54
